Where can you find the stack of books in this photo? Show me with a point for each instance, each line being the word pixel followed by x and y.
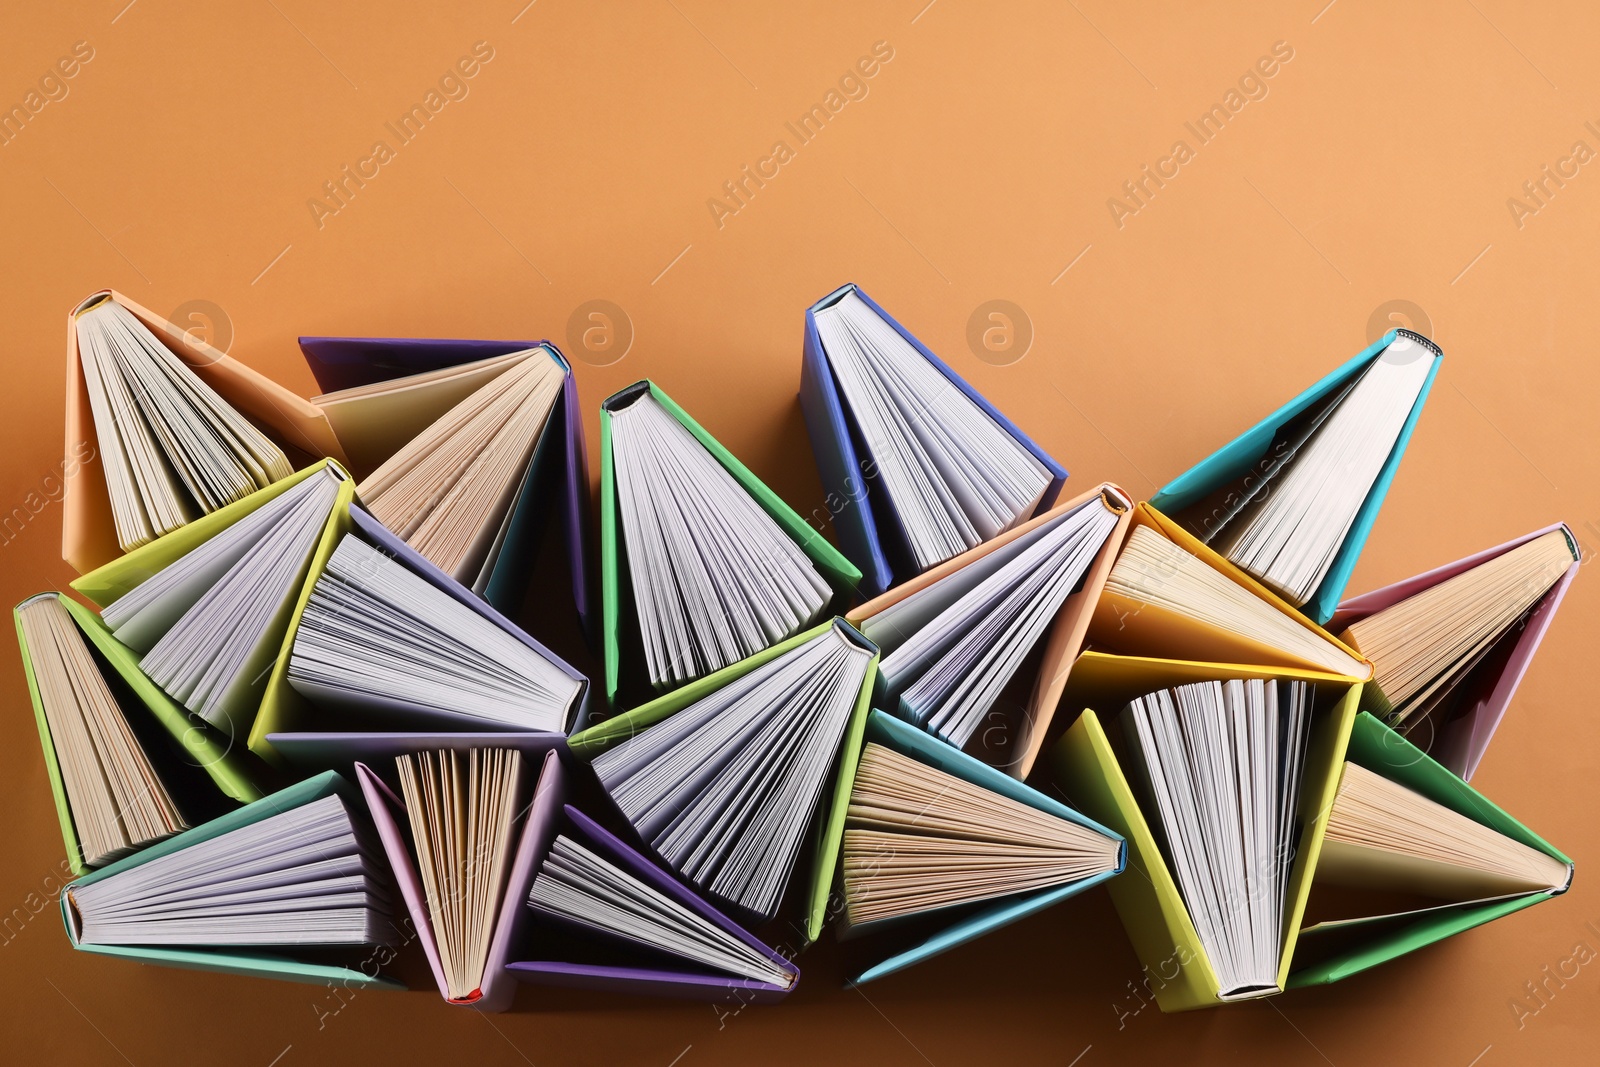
pixel 291 725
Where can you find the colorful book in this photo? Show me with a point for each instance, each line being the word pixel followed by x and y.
pixel 1455 642
pixel 1170 596
pixel 602 916
pixel 127 765
pixel 959 636
pixel 206 607
pixel 701 565
pixel 918 466
pixel 940 848
pixel 722 777
pixel 162 429
pixel 469 449
pixel 1292 500
pixel 285 887
pixel 1428 854
pixel 1097 772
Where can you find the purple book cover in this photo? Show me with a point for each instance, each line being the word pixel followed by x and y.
pixel 551 815
pixel 1467 737
pixel 346 362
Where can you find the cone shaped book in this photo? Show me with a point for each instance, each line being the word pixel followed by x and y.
pixel 603 916
pixel 960 636
pixel 1292 500
pixel 468 449
pixel 701 564
pixel 162 429
pixel 206 607
pixel 1450 646
pixel 1217 921
pixel 1169 596
pixel 885 413
pixel 127 765
pixel 940 848
pixel 722 778
pixel 1412 855
pixel 252 892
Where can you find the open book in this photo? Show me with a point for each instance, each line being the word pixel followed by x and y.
pixel 1425 646
pixel 706 565
pixel 171 447
pixel 448 490
pixel 1292 500
pixel 725 788
pixel 920 839
pixel 1220 764
pixel 208 624
pixel 115 800
pixel 381 643
pixel 1163 599
pixel 953 472
pixel 294 871
pixel 443 402
pixel 951 647
pixel 1412 855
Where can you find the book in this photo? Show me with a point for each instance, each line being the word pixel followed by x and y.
pixel 1413 855
pixel 286 887
pixel 722 781
pixel 602 916
pixel 884 412
pixel 119 780
pixel 1163 598
pixel 940 848
pixel 314 751
pixel 951 645
pixel 1015 731
pixel 394 703
pixel 162 428
pixel 208 624
pixel 386 394
pixel 1096 768
pixel 701 564
pixel 1291 500
pixel 1449 647
pixel 1220 764
pixel 377 638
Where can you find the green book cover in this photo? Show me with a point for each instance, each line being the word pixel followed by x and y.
pixel 249 961
pixel 840 574
pixel 1378 939
pixel 199 743
pixel 589 743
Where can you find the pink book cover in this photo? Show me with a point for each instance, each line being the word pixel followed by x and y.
pixel 1463 740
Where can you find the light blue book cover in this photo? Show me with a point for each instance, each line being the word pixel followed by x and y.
pixel 906 739
pixel 1233 461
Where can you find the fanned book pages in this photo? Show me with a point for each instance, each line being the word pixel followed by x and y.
pixel 210 623
pixel 577 885
pixel 951 647
pixel 724 789
pixel 1287 521
pixel 1157 580
pixel 953 476
pixel 1382 835
pixel 462 809
pixel 378 639
pixel 1221 764
pixel 448 491
pixel 303 876
pixel 714 578
pixel 116 800
pixel 919 839
pixel 1423 647
pixel 172 448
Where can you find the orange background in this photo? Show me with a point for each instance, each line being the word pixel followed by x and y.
pixel 978 167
